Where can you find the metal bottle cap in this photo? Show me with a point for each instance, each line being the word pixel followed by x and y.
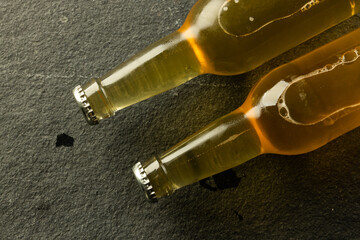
pixel 83 103
pixel 144 182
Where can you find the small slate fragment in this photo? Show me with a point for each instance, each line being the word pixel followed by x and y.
pixel 209 184
pixel 240 217
pixel 221 181
pixel 43 207
pixel 226 179
pixel 64 140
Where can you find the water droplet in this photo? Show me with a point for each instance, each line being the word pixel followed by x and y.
pixel 283 112
pixel 225 9
pixel 251 19
pixel 328 121
pixel 358 49
pixel 236 1
pixel 63 19
pixel 310 4
pixel 350 56
pixel 329 67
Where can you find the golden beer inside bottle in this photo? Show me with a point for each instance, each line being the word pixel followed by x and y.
pixel 254 16
pixel 324 95
pixel 219 37
pixel 311 108
pixel 294 109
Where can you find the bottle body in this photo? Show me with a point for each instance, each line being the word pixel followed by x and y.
pixel 306 103
pixel 294 109
pixel 161 66
pixel 225 143
pixel 238 36
pixel 219 37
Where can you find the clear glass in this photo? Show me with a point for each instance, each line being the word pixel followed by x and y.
pixel 224 37
pixel 294 109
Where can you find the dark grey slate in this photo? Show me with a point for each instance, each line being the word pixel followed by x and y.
pixel 85 189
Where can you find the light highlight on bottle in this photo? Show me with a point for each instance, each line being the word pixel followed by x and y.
pixel 242 31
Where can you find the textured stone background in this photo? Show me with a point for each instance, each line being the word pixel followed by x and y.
pixel 87 191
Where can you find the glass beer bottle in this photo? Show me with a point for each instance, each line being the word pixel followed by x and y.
pixel 224 37
pixel 294 109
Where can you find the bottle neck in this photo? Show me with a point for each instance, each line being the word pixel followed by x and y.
pixel 164 65
pixel 225 143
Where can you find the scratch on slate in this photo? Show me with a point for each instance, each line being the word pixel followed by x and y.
pixel 241 218
pixel 46 76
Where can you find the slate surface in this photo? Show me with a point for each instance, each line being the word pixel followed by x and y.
pixel 87 191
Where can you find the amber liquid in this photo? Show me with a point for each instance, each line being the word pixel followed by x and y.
pixel 224 37
pixel 295 109
pixel 310 101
